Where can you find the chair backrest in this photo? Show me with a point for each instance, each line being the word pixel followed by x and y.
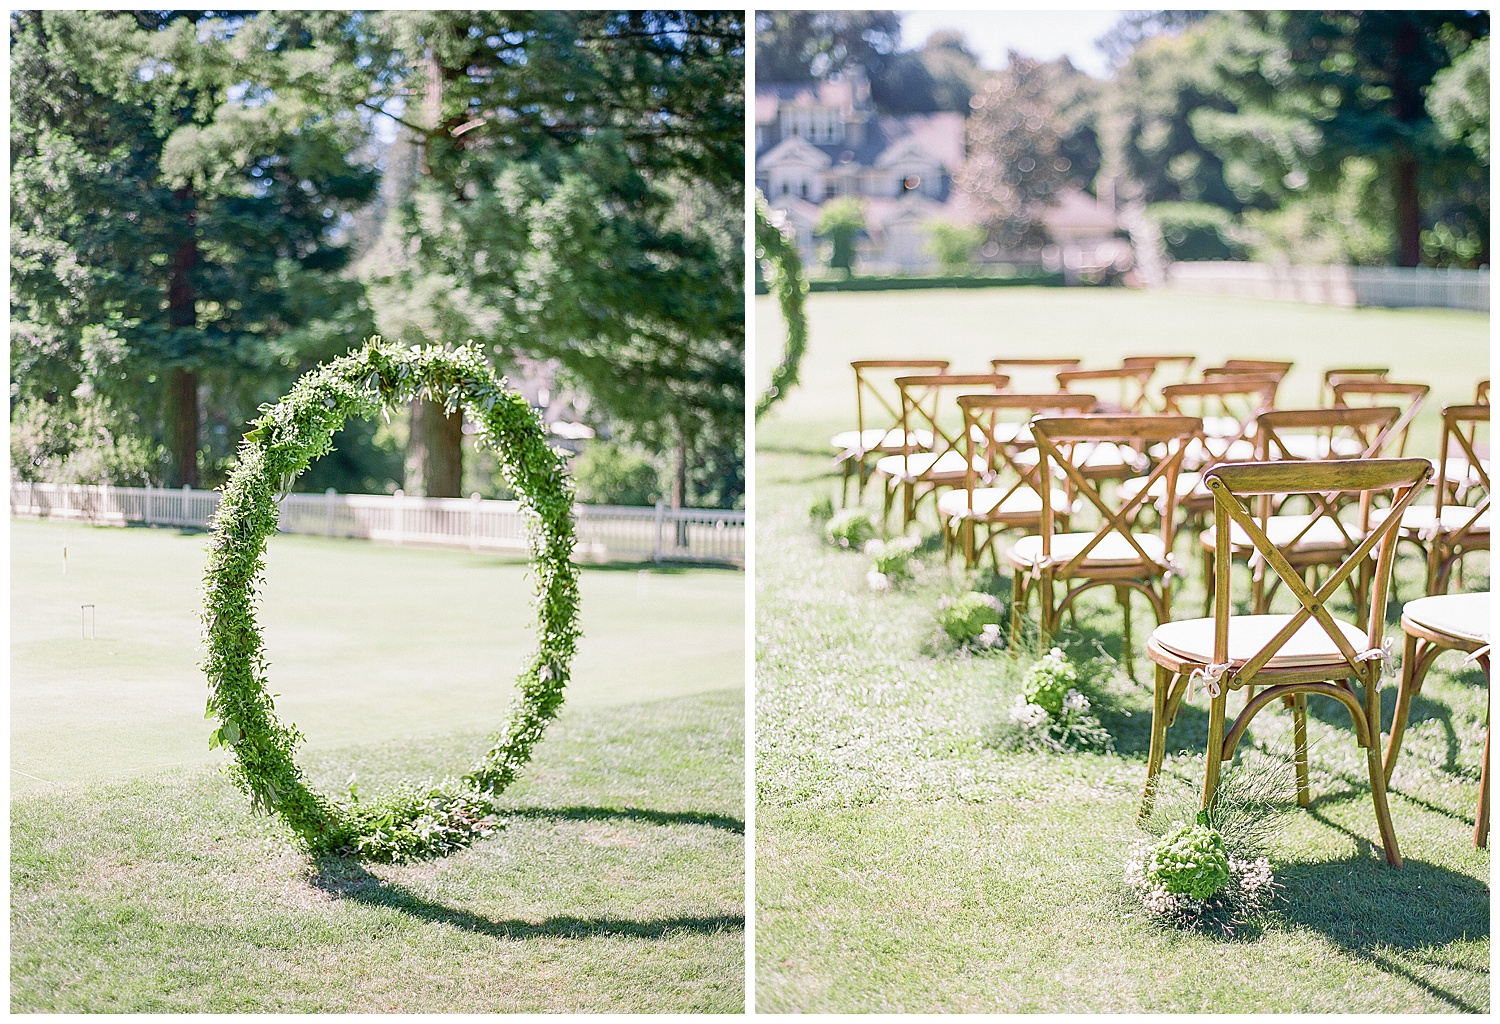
pixel 1228 407
pixel 924 403
pixel 1063 442
pixel 1220 372
pixel 1276 366
pixel 1036 373
pixel 1339 374
pixel 877 400
pixel 1129 382
pixel 1315 436
pixel 993 438
pixel 1177 368
pixel 1321 435
pixel 1462 426
pixel 1408 398
pixel 1231 484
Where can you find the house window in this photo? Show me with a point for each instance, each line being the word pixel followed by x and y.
pixel 830 189
pixel 804 189
pixel 786 189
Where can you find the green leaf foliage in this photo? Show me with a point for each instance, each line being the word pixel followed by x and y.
pixel 285 439
pixel 778 254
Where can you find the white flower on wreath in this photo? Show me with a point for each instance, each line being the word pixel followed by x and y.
pixel 877 581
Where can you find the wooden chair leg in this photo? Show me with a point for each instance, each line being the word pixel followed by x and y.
pixel 1049 622
pixel 1018 601
pixel 1299 734
pixel 1482 813
pixel 1411 682
pixel 1209 583
pixel 1154 759
pixel 1377 773
pixel 1215 760
pixel 1122 596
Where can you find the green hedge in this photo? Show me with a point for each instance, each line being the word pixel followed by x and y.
pixel 893 284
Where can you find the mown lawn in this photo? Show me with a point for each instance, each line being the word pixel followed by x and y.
pixel 140 880
pixel 906 862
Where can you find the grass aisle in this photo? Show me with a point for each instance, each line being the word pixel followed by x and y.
pixel 617 884
pixel 904 863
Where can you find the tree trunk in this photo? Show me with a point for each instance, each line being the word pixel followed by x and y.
pixel 182 381
pixel 1408 211
pixel 435 451
pixel 679 488
pixel 182 426
pixel 1409 108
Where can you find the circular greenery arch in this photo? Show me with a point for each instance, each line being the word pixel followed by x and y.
pixel 789 286
pixel 288 436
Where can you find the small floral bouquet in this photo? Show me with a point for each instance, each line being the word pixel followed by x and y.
pixel 851 528
pixel 1210 873
pixel 971 620
pixel 1051 713
pixel 893 562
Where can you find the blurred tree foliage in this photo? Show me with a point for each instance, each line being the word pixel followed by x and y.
pixel 174 232
pixel 1032 134
pixel 191 188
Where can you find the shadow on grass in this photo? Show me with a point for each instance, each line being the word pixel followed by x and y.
pixel 635 814
pixel 1388 916
pixel 673 568
pixel 349 879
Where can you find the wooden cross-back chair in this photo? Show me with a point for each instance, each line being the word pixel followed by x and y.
pixel 877 409
pixel 1274 371
pixel 1335 375
pixel 1115 553
pixel 1228 407
pixel 1033 374
pixel 1179 368
pixel 1409 398
pixel 1004 494
pixel 1482 392
pixel 1278 367
pixel 1129 384
pixel 1286 656
pixel 1446 530
pixel 927 405
pixel 1321 536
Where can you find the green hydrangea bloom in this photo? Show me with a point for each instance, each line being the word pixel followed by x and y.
pixel 1191 860
pixel 965 617
pixel 1048 681
pixel 851 528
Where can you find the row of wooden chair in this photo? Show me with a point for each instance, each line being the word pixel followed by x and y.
pixel 1033 460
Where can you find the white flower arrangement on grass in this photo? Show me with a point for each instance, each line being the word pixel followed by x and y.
pixel 1209 872
pixel 1051 713
pixel 893 562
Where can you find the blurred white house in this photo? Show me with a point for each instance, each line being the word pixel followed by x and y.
pixel 817 141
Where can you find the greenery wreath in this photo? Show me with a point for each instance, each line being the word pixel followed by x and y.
pixel 786 281
pixel 413 822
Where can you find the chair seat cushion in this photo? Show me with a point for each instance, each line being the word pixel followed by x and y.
pixel 1188 485
pixel 1023 502
pixel 1422 519
pixel 927 466
pixel 1113 551
pixel 1324 534
pixel 1193 640
pixel 1090 455
pixel 875 439
pixel 1465 616
pixel 1316 446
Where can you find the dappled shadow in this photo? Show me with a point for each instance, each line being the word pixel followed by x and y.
pixel 348 879
pixel 1376 909
pixel 636 814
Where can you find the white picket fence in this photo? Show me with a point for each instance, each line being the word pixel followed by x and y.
pixel 1337 286
pixel 605 532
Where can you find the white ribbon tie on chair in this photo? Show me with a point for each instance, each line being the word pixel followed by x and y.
pixel 1210 674
pixel 1483 652
pixel 1385 654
